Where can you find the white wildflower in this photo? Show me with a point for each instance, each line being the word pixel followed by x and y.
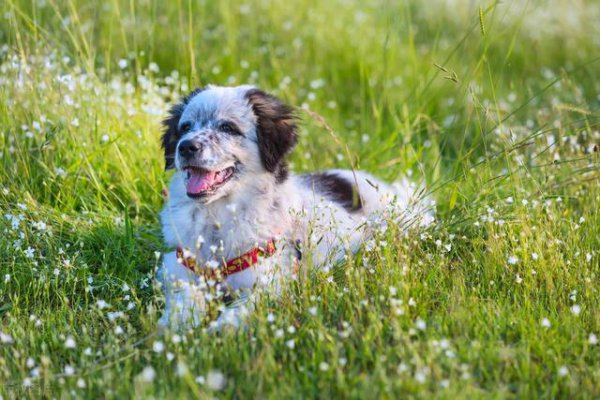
pixel 148 374
pixel 545 323
pixel 158 346
pixel 215 380
pixel 5 338
pixel 69 370
pixel 70 343
pixel 101 304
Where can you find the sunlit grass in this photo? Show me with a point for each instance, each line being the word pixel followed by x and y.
pixel 495 105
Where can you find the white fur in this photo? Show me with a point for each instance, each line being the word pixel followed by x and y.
pixel 256 208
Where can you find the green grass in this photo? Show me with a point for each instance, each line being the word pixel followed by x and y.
pixel 495 104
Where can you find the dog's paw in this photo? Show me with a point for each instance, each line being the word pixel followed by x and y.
pixel 231 318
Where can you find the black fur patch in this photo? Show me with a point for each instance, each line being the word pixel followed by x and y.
pixel 276 128
pixel 336 189
pixel 171 135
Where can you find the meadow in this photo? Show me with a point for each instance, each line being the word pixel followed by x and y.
pixel 495 105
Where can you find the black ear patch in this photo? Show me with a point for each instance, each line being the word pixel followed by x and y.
pixel 276 126
pixel 171 135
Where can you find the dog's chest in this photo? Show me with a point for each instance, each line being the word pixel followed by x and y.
pixel 221 232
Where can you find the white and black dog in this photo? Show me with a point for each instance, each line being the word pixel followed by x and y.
pixel 237 217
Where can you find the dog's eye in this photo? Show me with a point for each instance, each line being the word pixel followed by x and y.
pixel 229 127
pixel 185 127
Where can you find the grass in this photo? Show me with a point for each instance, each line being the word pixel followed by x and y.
pixel 494 104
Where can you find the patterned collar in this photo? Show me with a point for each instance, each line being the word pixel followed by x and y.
pixel 230 267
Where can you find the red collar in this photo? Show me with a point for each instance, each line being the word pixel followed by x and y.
pixel 238 264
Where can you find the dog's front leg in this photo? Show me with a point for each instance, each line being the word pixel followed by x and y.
pixel 266 277
pixel 184 300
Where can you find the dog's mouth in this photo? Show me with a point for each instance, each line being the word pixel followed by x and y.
pixel 200 182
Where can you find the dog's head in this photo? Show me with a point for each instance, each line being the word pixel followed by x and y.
pixel 223 138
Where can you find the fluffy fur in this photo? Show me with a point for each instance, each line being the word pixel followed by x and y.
pixel 246 134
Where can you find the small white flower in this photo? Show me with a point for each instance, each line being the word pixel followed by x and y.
pixel 323 366
pixel 510 200
pixel 29 252
pixel 518 279
pixel 563 371
pixel 27 383
pixel 421 376
pixel 576 309
pixel 312 310
pixel 30 362
pixel 87 351
pixel 270 318
pixel 420 324
pixel 6 278
pixel 290 344
pixel 123 63
pixel 153 67
pixel 70 343
pixel 279 333
pixel 101 304
pixel 512 260
pixel 75 122
pixel 5 338
pixel 80 383
pixel 545 323
pixel 115 315
pixel 105 138
pixel 158 346
pixel 118 330
pixel 535 256
pixel 593 339
pixel 200 380
pixel 215 380
pixel 402 368
pixel 588 257
pixel 148 374
pixel 69 370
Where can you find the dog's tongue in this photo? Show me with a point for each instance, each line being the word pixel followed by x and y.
pixel 200 181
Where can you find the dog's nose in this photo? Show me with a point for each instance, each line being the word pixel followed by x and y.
pixel 188 148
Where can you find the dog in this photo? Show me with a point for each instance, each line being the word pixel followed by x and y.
pixel 240 221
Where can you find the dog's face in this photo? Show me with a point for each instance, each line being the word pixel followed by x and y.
pixel 223 138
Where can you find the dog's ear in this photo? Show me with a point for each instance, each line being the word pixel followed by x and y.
pixel 170 135
pixel 276 130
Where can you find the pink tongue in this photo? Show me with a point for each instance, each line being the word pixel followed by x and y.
pixel 200 181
